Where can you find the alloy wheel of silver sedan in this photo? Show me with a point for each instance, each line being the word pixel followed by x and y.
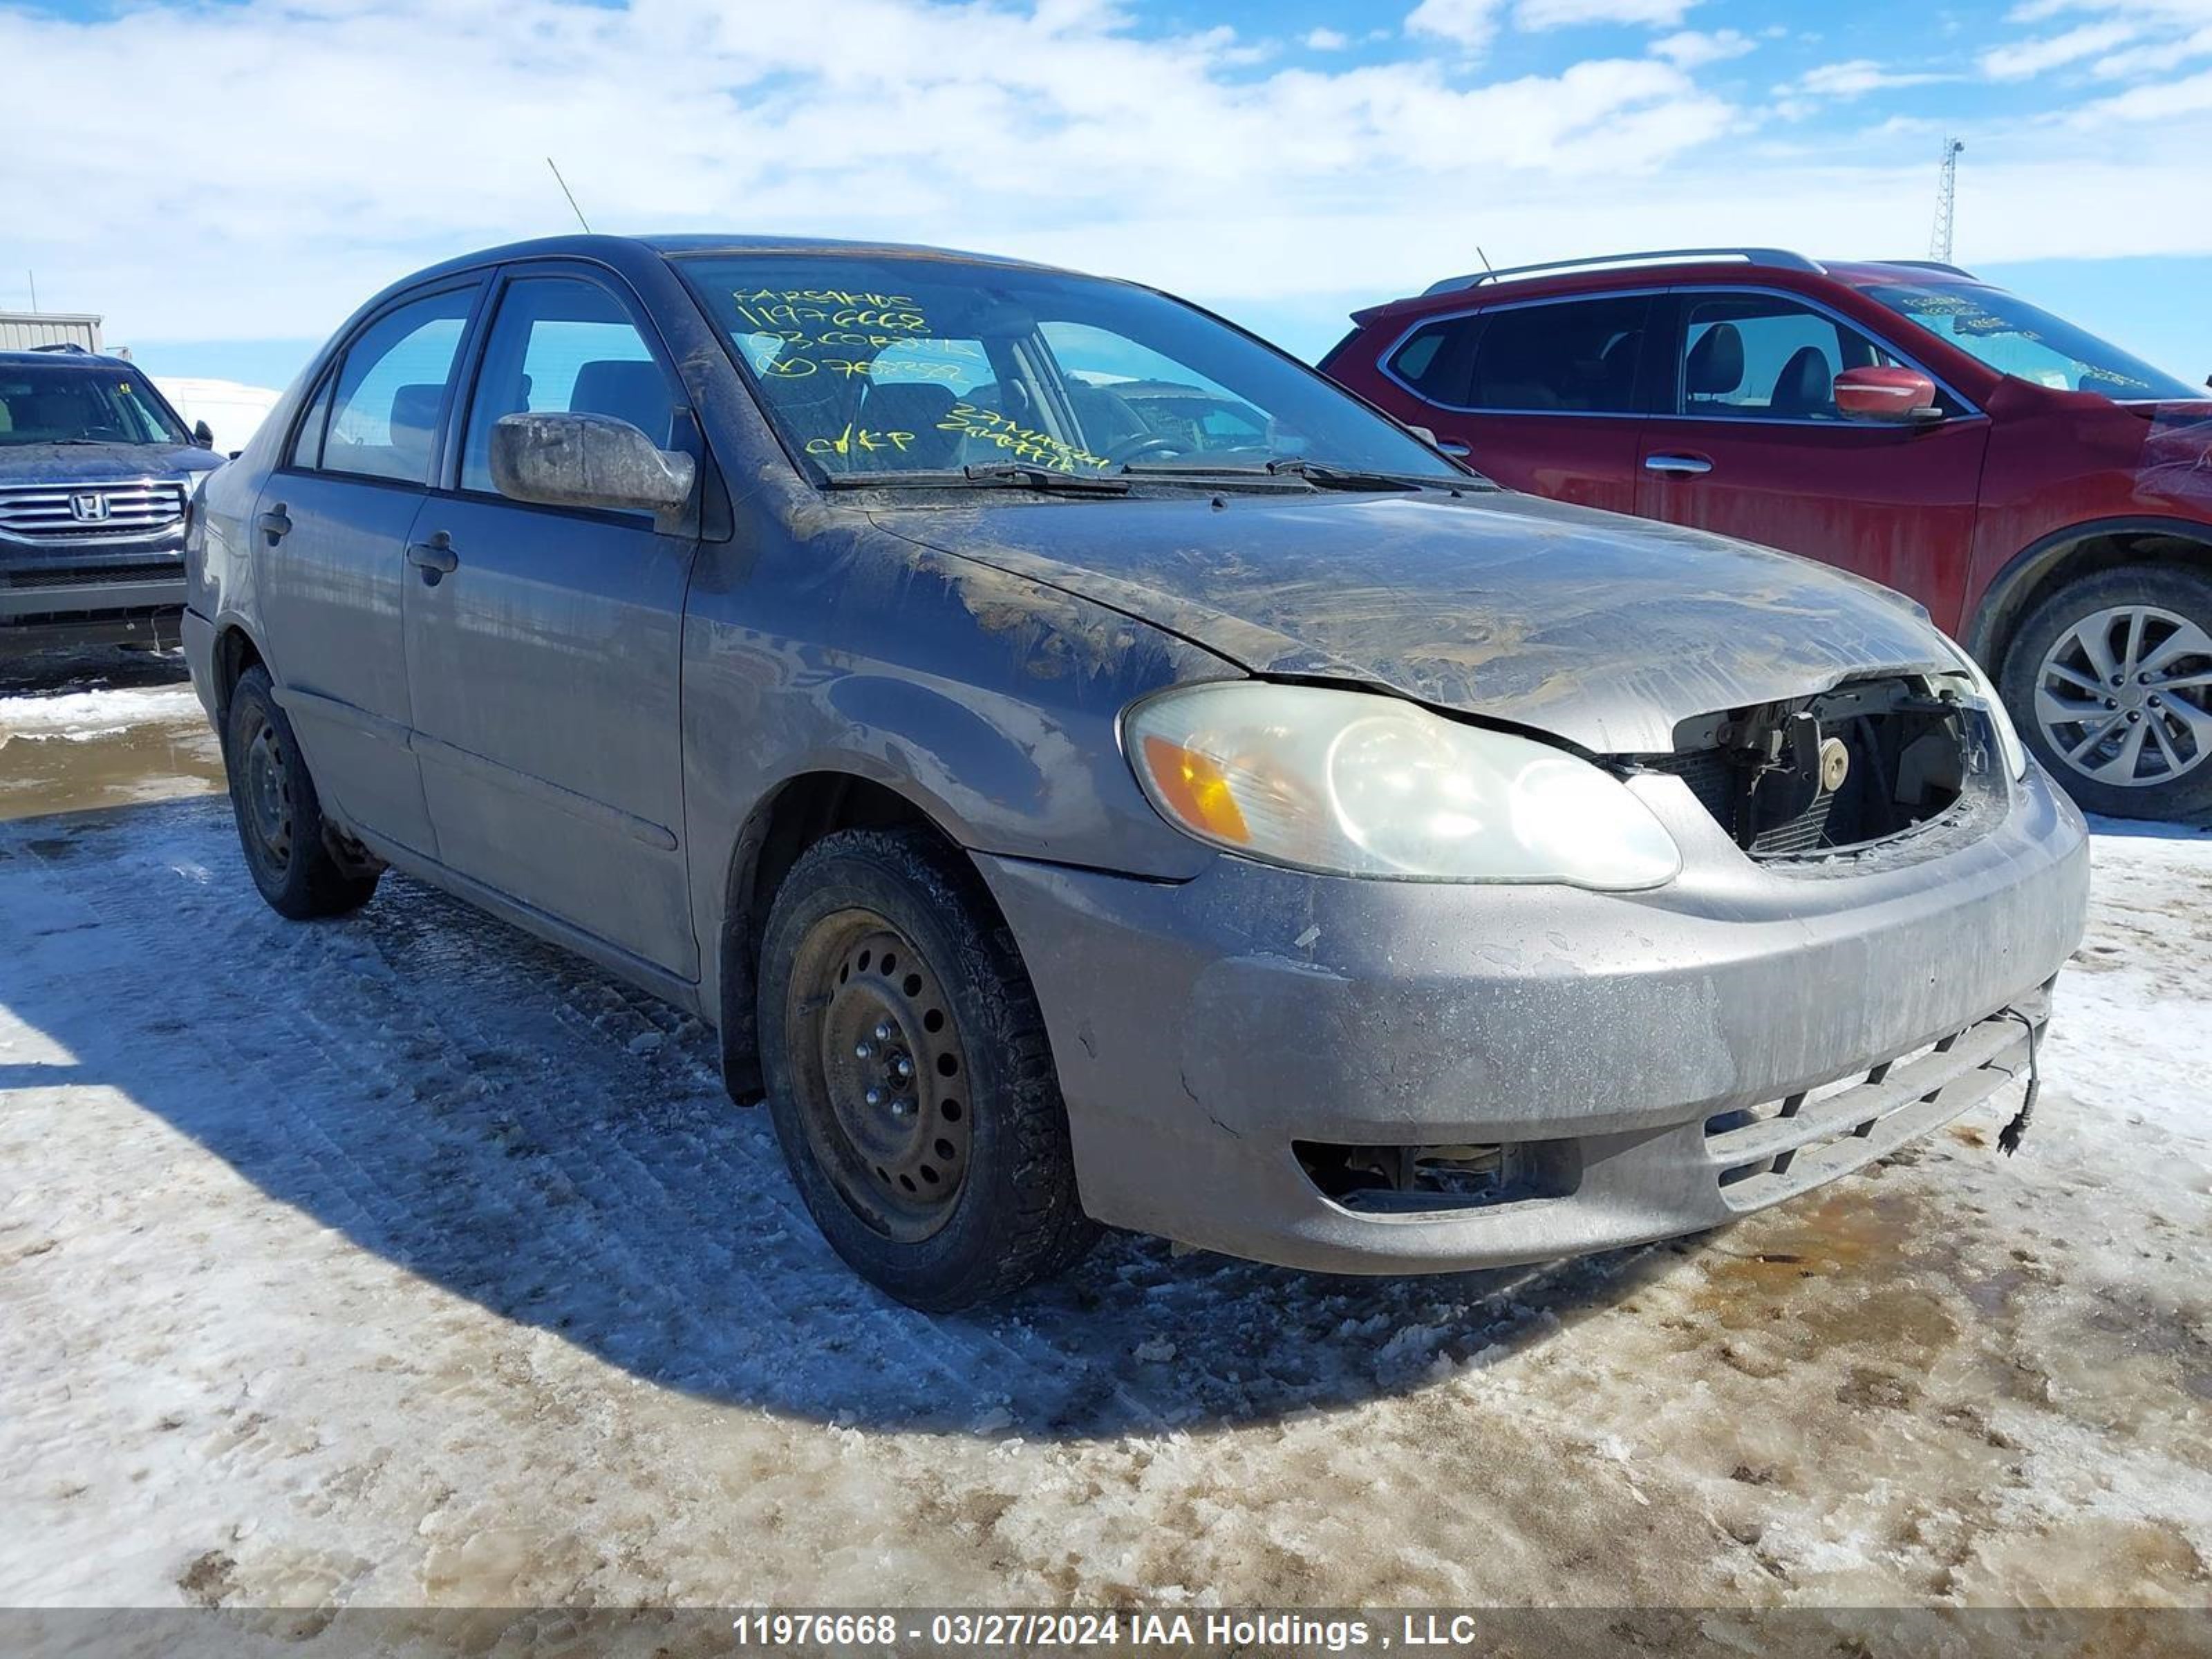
pixel 2124 696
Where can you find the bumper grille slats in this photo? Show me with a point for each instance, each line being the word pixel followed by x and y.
pixel 1885 1089
pixel 1814 1137
pixel 96 575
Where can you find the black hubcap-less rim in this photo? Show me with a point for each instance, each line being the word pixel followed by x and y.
pixel 881 1077
pixel 267 797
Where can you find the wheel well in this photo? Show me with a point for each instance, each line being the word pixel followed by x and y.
pixel 801 812
pixel 234 653
pixel 2043 571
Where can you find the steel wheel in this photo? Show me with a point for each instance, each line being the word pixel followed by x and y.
pixel 2124 696
pixel 281 827
pixel 267 797
pixel 881 1075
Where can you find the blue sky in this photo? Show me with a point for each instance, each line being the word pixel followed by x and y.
pixel 1285 163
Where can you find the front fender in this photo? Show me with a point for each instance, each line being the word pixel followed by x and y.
pixel 2004 597
pixel 989 701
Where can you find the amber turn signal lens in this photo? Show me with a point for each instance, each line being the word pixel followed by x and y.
pixel 1194 789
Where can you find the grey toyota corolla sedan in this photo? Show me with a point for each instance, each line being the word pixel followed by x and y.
pixel 1091 769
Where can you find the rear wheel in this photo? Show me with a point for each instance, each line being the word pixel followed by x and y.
pixel 908 1075
pixel 2110 681
pixel 280 817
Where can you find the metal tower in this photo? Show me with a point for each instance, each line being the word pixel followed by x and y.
pixel 1947 196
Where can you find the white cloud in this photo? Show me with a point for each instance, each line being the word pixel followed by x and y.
pixel 1859 76
pixel 1567 14
pixel 1327 39
pixel 1470 24
pixel 1692 50
pixel 2189 96
pixel 1473 24
pixel 341 143
pixel 2024 59
pixel 2153 59
pixel 2181 13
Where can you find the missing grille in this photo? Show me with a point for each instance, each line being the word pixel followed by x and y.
pixel 1850 768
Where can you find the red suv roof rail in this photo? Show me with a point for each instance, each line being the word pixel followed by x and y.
pixel 1773 258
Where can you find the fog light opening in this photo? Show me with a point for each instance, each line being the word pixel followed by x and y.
pixel 1443 1176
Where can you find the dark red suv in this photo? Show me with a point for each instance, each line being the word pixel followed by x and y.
pixel 2046 495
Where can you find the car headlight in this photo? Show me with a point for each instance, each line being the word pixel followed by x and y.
pixel 2014 751
pixel 1351 783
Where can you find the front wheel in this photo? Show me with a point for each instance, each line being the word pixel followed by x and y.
pixel 2110 680
pixel 908 1075
pixel 280 817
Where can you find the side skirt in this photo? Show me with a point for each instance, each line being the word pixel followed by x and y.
pixel 680 993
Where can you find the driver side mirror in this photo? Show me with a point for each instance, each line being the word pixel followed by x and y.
pixel 560 459
pixel 203 434
pixel 1896 394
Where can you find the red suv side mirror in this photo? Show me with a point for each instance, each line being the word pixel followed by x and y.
pixel 1887 394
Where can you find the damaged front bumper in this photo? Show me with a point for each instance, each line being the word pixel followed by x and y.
pixel 1570 1070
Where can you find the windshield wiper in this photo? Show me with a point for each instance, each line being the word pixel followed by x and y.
pixel 999 476
pixel 1322 476
pixel 1039 477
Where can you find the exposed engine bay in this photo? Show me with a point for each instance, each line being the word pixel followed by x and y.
pixel 1846 769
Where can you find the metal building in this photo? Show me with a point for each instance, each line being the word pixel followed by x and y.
pixel 20 331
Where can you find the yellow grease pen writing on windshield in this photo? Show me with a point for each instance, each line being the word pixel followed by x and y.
pixel 859 438
pixel 1024 443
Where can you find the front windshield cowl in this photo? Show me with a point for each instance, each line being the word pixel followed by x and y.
pixel 872 366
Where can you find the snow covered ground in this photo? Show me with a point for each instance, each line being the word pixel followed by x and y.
pixel 404 1260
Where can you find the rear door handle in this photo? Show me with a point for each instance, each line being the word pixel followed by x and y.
pixel 1457 451
pixel 435 558
pixel 1680 466
pixel 275 525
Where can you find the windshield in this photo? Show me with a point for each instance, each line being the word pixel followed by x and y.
pixel 2017 338
pixel 885 364
pixel 64 403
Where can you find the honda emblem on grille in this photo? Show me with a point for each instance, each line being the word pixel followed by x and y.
pixel 90 508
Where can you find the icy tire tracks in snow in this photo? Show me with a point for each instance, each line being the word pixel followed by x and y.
pixel 402 1259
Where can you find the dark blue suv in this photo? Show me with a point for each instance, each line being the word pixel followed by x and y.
pixel 96 471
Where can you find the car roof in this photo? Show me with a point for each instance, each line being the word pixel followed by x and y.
pixel 1686 267
pixel 66 357
pixel 619 250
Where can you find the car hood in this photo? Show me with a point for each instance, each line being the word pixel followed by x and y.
pixel 34 464
pixel 1603 630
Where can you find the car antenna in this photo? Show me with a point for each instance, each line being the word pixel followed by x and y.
pixel 1485 258
pixel 571 195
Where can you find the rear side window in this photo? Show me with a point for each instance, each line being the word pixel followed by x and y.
pixel 392 387
pixel 1437 359
pixel 562 345
pixel 1578 356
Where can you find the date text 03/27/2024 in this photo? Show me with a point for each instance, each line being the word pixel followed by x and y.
pixel 1167 1630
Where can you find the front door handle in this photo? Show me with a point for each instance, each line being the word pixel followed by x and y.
pixel 435 558
pixel 1680 466
pixel 274 524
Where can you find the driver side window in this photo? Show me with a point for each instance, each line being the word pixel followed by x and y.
pixel 1763 358
pixel 562 345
